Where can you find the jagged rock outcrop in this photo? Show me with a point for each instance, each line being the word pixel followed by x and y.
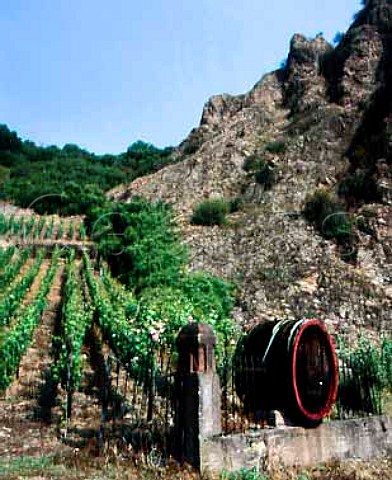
pixel 305 85
pixel 324 108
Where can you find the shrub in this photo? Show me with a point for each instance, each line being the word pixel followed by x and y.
pixel 368 375
pixel 364 226
pixel 360 185
pixel 262 169
pixel 329 217
pixel 252 163
pixel 338 38
pixel 244 474
pixel 140 242
pixel 235 204
pixel 210 212
pixel 276 147
pixel 327 214
pixel 265 175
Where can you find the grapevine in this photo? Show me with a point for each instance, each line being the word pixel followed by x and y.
pixel 130 344
pixel 82 231
pixel 16 339
pixel 39 227
pixel 76 318
pixel 14 296
pixel 6 256
pixel 71 230
pixel 60 231
pixel 28 228
pixel 11 269
pixel 49 229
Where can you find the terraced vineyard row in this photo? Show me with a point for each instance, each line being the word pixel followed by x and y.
pixel 64 320
pixel 43 228
pixel 27 284
pixel 18 319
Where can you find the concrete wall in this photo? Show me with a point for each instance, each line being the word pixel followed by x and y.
pixel 267 449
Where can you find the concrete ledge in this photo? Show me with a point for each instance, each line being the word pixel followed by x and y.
pixel 363 438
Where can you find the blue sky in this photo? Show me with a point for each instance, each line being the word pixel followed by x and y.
pixel 103 74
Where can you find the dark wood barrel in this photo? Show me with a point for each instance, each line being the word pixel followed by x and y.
pixel 289 366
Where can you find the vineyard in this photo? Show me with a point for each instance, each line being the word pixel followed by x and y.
pixel 78 355
pixel 87 365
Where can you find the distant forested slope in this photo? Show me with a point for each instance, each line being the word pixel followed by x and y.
pixel 67 180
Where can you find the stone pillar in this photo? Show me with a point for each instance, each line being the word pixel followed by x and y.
pixel 198 394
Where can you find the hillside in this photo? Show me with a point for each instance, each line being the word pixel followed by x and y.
pixel 321 121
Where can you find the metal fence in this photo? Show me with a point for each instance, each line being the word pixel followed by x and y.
pixel 137 408
pixel 365 378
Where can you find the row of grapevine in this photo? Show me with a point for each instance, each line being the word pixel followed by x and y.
pixel 49 229
pixel 15 339
pixel 14 294
pixel 76 319
pixel 116 290
pixel 12 224
pixel 10 269
pixel 6 255
pixel 33 227
pixel 130 344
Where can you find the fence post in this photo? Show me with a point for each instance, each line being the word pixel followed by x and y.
pixel 197 393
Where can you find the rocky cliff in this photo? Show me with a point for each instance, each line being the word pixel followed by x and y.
pixel 322 120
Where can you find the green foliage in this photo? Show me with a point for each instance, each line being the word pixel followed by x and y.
pixel 262 170
pixel 75 179
pixel 60 230
pixel 252 163
pixel 235 204
pixel 49 229
pixel 265 175
pixel 328 215
pixel 40 227
pixel 140 242
pixel 244 474
pixel 76 318
pixel 208 292
pixel 14 294
pixel 25 466
pixel 370 378
pixel 71 230
pixel 10 267
pixel 277 147
pixel 15 339
pixel 365 226
pixel 360 186
pixel 135 328
pixel 4 177
pixel 197 297
pixel 9 142
pixel 210 212
pixel 70 187
pixel 151 261
pixel 143 158
pixel 82 232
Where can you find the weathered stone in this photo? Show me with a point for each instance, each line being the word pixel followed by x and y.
pixel 315 105
pixel 293 446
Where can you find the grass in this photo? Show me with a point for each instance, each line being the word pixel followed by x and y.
pixel 83 466
pixel 26 467
pixel 80 466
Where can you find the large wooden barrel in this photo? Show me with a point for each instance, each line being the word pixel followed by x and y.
pixel 289 366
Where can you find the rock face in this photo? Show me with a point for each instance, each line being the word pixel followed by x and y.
pixel 326 114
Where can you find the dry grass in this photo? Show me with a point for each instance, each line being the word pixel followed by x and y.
pixel 81 466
